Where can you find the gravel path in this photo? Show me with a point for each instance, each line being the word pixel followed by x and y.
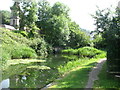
pixel 93 75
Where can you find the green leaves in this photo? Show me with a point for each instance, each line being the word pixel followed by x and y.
pixel 78 38
pixel 5 16
pixel 109 23
pixel 28 15
pixel 53 23
pixel 58 30
pixel 60 9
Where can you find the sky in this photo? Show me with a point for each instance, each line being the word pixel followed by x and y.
pixel 80 10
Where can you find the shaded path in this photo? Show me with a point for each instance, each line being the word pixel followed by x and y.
pixel 93 75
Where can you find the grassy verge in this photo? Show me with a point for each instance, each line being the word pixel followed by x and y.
pixel 16 46
pixel 106 80
pixel 75 73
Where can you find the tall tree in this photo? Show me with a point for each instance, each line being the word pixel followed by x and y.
pixel 44 10
pixel 108 24
pixel 5 16
pixel 57 32
pixel 78 38
pixel 28 17
pixel 60 9
pixel 44 14
pixel 54 26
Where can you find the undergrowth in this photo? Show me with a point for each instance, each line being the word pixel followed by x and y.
pixel 83 52
pixel 74 74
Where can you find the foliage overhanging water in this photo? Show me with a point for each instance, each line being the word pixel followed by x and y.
pixel 20 76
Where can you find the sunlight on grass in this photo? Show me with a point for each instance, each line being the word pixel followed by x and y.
pixel 24 61
pixel 76 75
pixel 106 80
pixel 38 67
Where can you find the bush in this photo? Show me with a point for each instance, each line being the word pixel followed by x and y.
pixel 18 51
pixel 22 52
pixel 3 59
pixel 88 51
pixel 9 37
pixel 40 46
pixel 15 46
pixel 84 52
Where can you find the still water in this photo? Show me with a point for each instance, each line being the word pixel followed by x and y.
pixel 19 76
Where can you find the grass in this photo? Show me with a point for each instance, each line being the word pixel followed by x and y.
pixel 38 67
pixel 83 61
pixel 106 80
pixel 75 73
pixel 14 46
pixel 75 79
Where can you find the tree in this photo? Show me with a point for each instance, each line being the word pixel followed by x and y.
pixel 44 10
pixel 57 28
pixel 57 32
pixel 99 41
pixel 54 26
pixel 5 16
pixel 28 17
pixel 78 38
pixel 60 9
pixel 44 14
pixel 108 24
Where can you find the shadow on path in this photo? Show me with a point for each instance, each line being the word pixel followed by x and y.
pixel 93 75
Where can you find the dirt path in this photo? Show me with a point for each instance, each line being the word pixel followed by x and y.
pixel 93 75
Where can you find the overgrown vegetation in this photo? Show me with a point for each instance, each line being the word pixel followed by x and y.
pixel 108 25
pixel 44 28
pixel 15 46
pixel 84 52
pixel 75 73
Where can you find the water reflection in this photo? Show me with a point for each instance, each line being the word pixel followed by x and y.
pixel 22 77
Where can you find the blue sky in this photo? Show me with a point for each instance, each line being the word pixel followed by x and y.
pixel 80 10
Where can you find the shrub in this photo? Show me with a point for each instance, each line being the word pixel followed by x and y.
pixel 3 59
pixel 18 51
pixel 84 52
pixel 69 51
pixel 40 46
pixel 88 51
pixel 14 45
pixel 22 51
pixel 10 37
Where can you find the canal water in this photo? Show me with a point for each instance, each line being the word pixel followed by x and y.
pixel 19 76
